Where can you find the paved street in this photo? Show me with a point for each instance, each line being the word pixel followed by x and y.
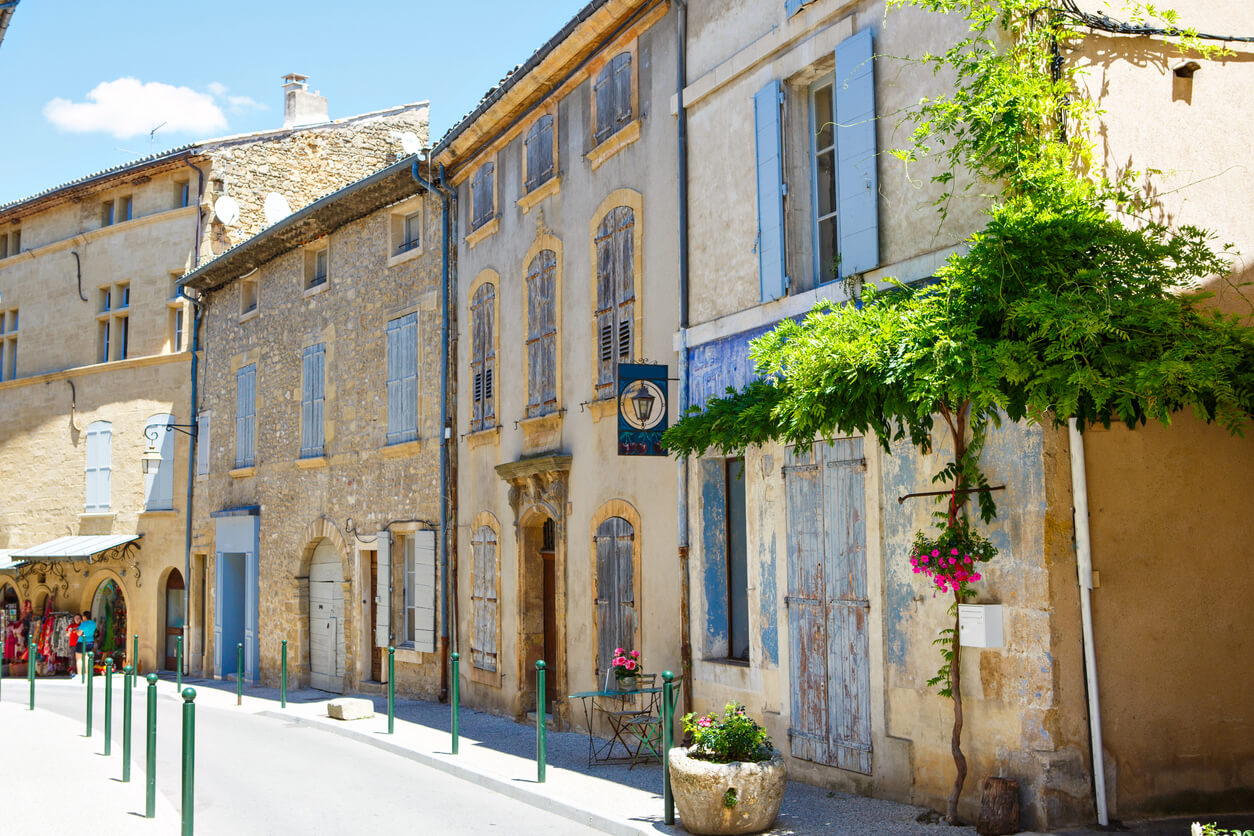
pixel 254 775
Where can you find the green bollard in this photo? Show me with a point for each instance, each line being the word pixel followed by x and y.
pixel 30 674
pixel 108 706
pixel 239 673
pixel 135 660
pixel 127 672
pixel 540 729
pixel 283 681
pixel 391 688
pixel 150 772
pixel 189 759
pixel 91 660
pixel 178 667
pixel 453 702
pixel 668 731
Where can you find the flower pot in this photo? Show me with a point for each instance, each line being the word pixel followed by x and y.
pixel 628 683
pixel 706 805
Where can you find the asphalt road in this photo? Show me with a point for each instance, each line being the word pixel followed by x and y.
pixel 254 775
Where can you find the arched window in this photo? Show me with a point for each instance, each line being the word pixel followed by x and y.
pixel 542 334
pixel 539 144
pixel 616 294
pixel 617 615
pixel 99 446
pixel 612 91
pixel 483 358
pixel 159 477
pixel 483 599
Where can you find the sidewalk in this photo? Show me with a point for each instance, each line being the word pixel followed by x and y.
pixel 499 754
pixel 73 788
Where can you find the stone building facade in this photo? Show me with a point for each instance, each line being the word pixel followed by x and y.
pixel 566 196
pixel 96 360
pixel 316 511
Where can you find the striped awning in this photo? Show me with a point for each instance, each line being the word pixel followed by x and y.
pixel 71 548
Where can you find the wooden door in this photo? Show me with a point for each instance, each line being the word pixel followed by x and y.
pixel 173 618
pixel 326 620
pixel 828 608
pixel 616 596
pixel 548 557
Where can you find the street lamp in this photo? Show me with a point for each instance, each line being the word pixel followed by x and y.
pixel 150 459
pixel 642 403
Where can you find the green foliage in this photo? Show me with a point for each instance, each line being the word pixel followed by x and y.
pixel 952 558
pixel 943 681
pixel 735 736
pixel 730 798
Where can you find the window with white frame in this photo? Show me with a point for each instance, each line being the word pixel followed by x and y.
pixel 8 344
pixel 159 478
pixel 312 400
pixel 483 358
pixel 246 415
pixel 539 156
pixel 113 323
pixel 612 97
pixel 247 296
pixel 317 266
pixel 616 295
pixel 483 195
pixel 402 380
pixel 411 229
pixel 418 553
pixel 99 452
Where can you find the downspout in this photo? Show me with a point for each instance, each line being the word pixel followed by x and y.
pixel 1084 568
pixel 445 433
pixel 192 420
pixel 681 129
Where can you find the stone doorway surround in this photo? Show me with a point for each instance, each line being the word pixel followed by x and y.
pixel 538 491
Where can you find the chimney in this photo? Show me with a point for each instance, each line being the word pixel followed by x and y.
pixel 300 107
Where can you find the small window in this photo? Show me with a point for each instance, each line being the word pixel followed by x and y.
pixel 8 344
pixel 106 299
pixel 316 267
pixel 412 232
pixel 124 337
pixel 182 193
pixel 482 195
pixel 4 246
pixel 248 296
pixel 539 144
pixel 124 296
pixel 15 242
pixel 125 207
pixel 612 97
pixel 176 336
pixel 103 338
pixel 402 379
pixel 106 213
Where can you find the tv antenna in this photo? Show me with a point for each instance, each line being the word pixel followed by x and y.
pixel 152 135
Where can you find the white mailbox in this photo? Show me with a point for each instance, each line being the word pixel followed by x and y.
pixel 980 625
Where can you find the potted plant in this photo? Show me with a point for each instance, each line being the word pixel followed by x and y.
pixel 627 668
pixel 731 779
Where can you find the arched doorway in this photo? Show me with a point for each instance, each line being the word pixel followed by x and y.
pixel 174 617
pixel 10 608
pixel 326 619
pixel 108 610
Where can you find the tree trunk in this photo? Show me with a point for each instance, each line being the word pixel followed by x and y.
pixel 955 743
pixel 999 807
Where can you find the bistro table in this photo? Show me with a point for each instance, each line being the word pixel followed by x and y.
pixel 618 714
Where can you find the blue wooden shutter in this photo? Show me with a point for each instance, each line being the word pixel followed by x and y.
pixel 807 622
pixel 424 590
pixel 99 443
pixel 313 383
pixel 791 7
pixel 245 416
pixel 770 172
pixel 857 181
pixel 218 597
pixel 402 337
pixel 159 481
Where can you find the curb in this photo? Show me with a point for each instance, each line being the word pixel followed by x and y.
pixel 512 789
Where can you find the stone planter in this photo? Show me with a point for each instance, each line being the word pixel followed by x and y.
pixel 701 793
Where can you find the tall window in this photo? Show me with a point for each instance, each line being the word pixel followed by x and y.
pixel 418 549
pixel 483 598
pixel 159 480
pixel 402 347
pixel 113 323
pixel 246 416
pixel 542 334
pixel 539 144
pixel 737 561
pixel 312 398
pixel 823 166
pixel 482 196
pixel 612 91
pixel 8 344
pixel 617 617
pixel 412 232
pixel 616 295
pixel 483 358
pixel 99 444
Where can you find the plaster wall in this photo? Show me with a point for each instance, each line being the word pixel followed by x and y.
pixel 642 172
pixel 360 477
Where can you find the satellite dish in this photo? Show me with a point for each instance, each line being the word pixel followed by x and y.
pixel 226 210
pixel 276 208
pixel 410 143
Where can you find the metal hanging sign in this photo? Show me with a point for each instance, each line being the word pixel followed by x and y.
pixel 642 409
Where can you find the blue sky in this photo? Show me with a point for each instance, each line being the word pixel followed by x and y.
pixel 85 79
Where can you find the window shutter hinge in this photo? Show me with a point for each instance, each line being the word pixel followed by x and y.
pixel 781 94
pixel 783 189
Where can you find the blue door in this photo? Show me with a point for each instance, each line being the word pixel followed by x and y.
pixel 229 628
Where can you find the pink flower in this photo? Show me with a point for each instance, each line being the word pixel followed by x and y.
pixel 935 552
pixel 953 551
pixel 976 576
pixel 635 654
pixel 618 651
pixel 967 559
pixel 619 661
pixel 631 665
pixel 705 722
pixel 925 560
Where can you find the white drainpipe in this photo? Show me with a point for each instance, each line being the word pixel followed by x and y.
pixel 1084 568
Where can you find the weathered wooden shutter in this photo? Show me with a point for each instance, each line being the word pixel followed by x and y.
pixel 482 357
pixel 622 89
pixel 312 401
pixel 484 599
pixel 402 383
pixel 481 195
pixel 424 591
pixel 539 145
pixel 616 295
pixel 616 590
pixel 203 423
pixel 603 91
pixel 383 606
pixel 807 613
pixel 849 697
pixel 245 415
pixel 159 481
pixel 542 334
pixel 771 190
pixel 856 176
pixel 99 448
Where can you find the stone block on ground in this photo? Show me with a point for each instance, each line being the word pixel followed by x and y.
pixel 348 708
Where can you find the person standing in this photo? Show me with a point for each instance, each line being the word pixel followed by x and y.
pixel 73 633
pixel 86 640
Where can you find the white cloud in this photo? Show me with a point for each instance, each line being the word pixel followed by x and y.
pixel 217 88
pixel 239 104
pixel 128 107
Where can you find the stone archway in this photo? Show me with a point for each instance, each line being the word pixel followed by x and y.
pixel 322 580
